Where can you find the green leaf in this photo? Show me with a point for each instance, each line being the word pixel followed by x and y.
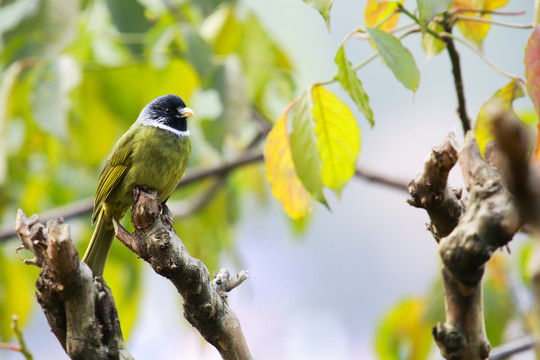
pixel 128 17
pixel 50 100
pixel 403 333
pixel 432 45
pixel 13 13
pixel 532 67
pixel 304 149
pixel 16 291
pixel 338 138
pixel 502 99
pixel 41 31
pixel 352 84
pixel 398 58
pixel 324 7
pixel 428 9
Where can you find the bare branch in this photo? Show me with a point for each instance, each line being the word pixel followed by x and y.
pixel 205 305
pixel 488 222
pixel 430 190
pixel 79 308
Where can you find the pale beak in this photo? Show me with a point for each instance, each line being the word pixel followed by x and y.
pixel 186 112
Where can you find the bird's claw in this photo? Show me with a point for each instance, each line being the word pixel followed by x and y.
pixel 166 215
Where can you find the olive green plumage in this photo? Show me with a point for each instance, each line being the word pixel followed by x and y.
pixel 154 153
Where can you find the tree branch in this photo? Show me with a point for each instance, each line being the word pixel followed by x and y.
pixel 458 80
pixel 489 221
pixel 431 192
pixel 79 308
pixel 205 305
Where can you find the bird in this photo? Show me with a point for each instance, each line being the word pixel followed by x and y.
pixel 153 153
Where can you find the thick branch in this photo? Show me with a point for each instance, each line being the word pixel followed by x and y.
pixel 489 221
pixel 79 308
pixel 205 305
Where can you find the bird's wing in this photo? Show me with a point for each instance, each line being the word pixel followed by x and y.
pixel 113 172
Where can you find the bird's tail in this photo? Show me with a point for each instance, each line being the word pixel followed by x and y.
pixel 100 244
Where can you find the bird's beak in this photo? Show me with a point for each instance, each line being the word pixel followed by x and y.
pixel 186 112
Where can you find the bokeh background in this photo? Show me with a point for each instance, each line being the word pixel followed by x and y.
pixel 357 282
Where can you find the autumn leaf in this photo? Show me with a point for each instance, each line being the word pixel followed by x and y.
pixel 397 57
pixel 473 30
pixel 352 84
pixel 532 67
pixel 502 99
pixel 376 11
pixel 338 138
pixel 280 172
pixel 304 150
pixel 432 45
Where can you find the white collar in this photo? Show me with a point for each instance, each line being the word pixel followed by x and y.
pixel 160 125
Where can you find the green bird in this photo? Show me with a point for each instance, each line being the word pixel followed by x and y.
pixel 154 152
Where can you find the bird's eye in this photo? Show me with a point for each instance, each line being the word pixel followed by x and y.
pixel 168 111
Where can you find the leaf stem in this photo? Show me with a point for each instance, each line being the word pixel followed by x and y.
pixel 18 334
pixel 491 21
pixel 446 35
pixel 494 12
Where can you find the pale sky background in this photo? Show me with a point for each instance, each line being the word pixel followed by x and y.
pixel 321 296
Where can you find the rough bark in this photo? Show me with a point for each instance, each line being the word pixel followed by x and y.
pixel 486 222
pixel 205 300
pixel 79 308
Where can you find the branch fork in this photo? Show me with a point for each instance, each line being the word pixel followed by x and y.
pixel 467 232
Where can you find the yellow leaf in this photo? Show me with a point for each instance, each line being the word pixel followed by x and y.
pixel 474 30
pixel 377 11
pixel 338 138
pixel 502 99
pixel 280 171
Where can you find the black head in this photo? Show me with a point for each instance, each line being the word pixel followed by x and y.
pixel 167 110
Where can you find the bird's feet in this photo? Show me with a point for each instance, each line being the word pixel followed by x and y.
pixel 166 215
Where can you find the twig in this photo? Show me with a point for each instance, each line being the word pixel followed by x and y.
pixel 514 347
pixel 458 80
pixel 447 35
pixel 494 12
pixel 378 178
pixel 492 21
pixel 20 339
pixel 205 305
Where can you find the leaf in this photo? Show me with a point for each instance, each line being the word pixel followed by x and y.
pixel 50 100
pixel 280 172
pixel 428 9
pixel 324 7
pixel 222 30
pixel 499 306
pixel 403 333
pixel 537 11
pixel 352 84
pixel 502 98
pixel 398 58
pixel 532 67
pixel 305 154
pixel 134 23
pixel 377 11
pixel 16 292
pixel 473 30
pixel 338 138
pixel 432 45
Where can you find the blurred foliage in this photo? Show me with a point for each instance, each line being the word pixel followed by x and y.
pixel 74 76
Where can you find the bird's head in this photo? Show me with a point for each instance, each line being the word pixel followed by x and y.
pixel 168 112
